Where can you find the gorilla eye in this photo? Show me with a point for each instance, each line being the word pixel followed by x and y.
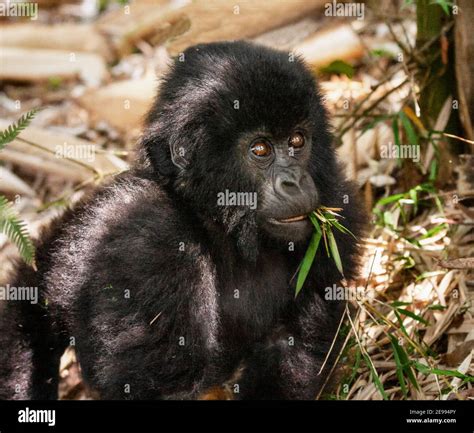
pixel 261 149
pixel 296 140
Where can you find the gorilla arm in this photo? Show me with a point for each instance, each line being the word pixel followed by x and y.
pixel 287 365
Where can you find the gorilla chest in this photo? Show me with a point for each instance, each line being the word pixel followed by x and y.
pixel 252 300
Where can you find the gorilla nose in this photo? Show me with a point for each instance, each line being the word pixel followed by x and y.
pixel 296 185
pixel 289 182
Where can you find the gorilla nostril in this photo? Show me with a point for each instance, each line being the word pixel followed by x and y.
pixel 286 185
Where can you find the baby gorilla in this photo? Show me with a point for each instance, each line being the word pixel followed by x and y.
pixel 181 272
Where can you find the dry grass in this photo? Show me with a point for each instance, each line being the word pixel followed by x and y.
pixel 409 305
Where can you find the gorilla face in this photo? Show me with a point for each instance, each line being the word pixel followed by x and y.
pixel 287 193
pixel 235 120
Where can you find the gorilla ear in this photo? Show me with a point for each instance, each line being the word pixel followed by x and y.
pixel 168 146
pixel 178 156
pixel 158 153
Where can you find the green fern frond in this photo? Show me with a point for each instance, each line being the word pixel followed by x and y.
pixel 16 231
pixel 9 134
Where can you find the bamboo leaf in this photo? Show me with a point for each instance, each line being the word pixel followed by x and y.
pixel 400 322
pixel 343 229
pixel 315 222
pixel 414 196
pixel 355 368
pixel 339 67
pixel 437 307
pixel 389 199
pixel 434 169
pixel 375 377
pixel 323 219
pixel 454 373
pixel 410 131
pixel 405 362
pixel 444 4
pixel 398 362
pixel 396 137
pixel 307 261
pixel 332 212
pixel 413 316
pixel 407 367
pixel 433 231
pixel 335 252
pixel 400 304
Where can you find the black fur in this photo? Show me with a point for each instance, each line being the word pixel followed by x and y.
pixel 157 234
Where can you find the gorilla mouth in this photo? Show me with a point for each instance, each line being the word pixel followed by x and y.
pixel 293 219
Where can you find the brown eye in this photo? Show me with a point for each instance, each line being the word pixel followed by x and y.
pixel 260 148
pixel 296 140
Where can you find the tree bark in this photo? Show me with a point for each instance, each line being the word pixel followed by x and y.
pixel 464 40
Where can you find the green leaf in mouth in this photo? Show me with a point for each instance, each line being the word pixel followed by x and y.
pixel 324 219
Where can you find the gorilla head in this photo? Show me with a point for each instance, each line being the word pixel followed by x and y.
pixel 237 121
